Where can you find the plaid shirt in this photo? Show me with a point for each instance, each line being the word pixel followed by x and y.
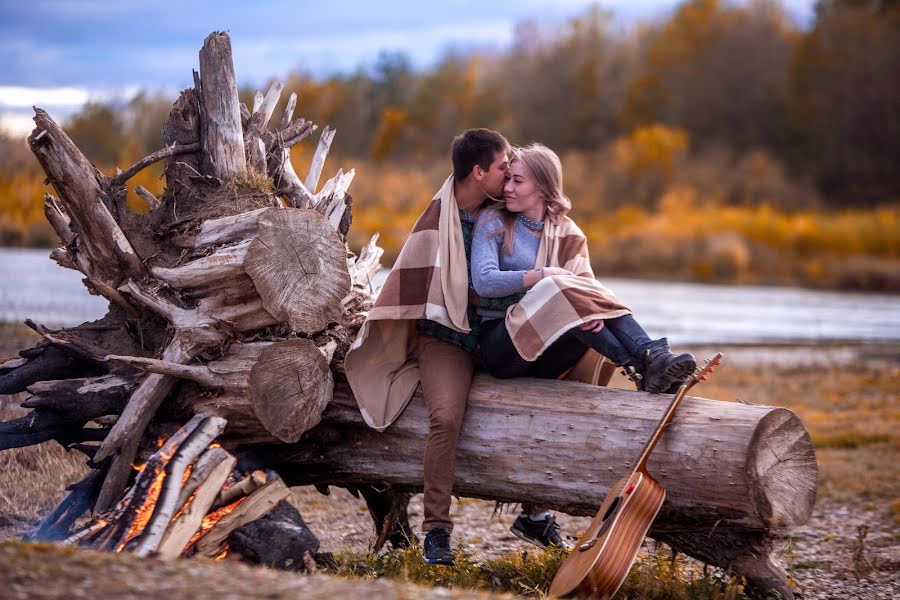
pixel 468 341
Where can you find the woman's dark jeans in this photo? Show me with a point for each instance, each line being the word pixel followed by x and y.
pixel 622 340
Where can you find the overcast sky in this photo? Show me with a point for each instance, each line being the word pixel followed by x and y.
pixel 60 53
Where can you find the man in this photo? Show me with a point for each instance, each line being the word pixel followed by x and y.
pixel 423 327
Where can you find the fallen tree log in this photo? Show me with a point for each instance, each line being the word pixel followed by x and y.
pixel 744 465
pixel 735 474
pixel 719 461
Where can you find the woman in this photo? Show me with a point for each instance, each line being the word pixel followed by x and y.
pixel 506 246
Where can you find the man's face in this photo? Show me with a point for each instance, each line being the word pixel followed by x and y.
pixel 494 178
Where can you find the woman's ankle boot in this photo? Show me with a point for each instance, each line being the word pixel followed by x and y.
pixel 664 370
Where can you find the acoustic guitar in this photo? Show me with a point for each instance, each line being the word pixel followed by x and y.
pixel 598 564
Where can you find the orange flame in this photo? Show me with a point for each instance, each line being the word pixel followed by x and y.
pixel 162 457
pixel 146 509
pixel 211 519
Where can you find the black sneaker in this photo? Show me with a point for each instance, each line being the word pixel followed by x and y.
pixel 540 533
pixel 437 547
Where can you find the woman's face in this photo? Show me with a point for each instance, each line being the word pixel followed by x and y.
pixel 521 193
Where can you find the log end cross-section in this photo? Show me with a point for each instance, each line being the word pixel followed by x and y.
pixel 781 461
pixel 290 386
pixel 299 267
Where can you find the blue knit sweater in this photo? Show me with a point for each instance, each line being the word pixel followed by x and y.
pixel 495 274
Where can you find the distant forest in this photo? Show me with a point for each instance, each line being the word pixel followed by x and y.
pixel 720 107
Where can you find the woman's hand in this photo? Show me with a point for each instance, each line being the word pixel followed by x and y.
pixel 592 326
pixel 535 275
pixel 548 271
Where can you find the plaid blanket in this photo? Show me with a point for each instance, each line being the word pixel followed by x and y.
pixel 558 303
pixel 428 281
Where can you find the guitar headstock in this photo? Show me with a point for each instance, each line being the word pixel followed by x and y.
pixel 704 370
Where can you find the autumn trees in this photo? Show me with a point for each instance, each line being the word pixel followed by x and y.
pixel 737 100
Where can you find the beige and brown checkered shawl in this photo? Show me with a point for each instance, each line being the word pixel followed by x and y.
pixel 428 281
pixel 557 304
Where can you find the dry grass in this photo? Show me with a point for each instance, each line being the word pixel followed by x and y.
pixel 250 180
pixel 46 571
pixel 654 576
pixel 852 414
pixel 15 337
pixel 33 480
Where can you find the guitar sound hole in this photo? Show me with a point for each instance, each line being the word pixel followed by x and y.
pixel 612 508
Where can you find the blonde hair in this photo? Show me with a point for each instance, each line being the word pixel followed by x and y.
pixel 545 169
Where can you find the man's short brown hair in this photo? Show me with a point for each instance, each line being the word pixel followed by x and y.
pixel 475 147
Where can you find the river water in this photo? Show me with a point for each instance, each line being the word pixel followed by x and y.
pixel 33 286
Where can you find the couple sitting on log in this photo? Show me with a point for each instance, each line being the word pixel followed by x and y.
pixel 493 275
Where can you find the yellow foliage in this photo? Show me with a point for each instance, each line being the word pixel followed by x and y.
pixel 690 235
pixel 390 129
pixel 654 147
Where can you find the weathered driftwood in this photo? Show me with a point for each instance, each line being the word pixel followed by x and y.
pixel 167 503
pixel 256 505
pixel 287 384
pixel 147 196
pixel 717 461
pixel 47 363
pixel 180 531
pixel 735 474
pixel 85 201
pixel 63 407
pixel 121 445
pixel 299 268
pixel 259 120
pixel 318 161
pixel 222 137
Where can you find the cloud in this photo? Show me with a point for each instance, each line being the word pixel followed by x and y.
pixel 16 125
pixel 24 97
pixel 154 43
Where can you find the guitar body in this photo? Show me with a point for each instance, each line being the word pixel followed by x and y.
pixel 599 563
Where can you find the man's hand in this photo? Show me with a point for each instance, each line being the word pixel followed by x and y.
pixel 593 326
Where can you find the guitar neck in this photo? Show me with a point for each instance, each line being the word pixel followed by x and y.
pixel 651 443
pixel 699 375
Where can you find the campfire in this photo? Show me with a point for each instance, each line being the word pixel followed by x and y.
pixel 186 499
